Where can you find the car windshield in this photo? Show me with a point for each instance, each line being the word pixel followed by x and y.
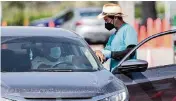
pixel 25 54
pixel 90 13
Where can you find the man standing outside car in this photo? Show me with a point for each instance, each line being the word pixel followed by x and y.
pixel 122 41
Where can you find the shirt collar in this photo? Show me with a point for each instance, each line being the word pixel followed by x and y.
pixel 119 28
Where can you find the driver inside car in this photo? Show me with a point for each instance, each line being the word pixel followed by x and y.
pixel 48 57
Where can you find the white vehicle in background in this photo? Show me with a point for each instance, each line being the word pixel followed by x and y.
pixel 83 21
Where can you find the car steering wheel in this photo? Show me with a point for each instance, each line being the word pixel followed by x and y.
pixel 65 62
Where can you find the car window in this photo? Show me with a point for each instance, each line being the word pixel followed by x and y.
pixel 69 15
pixel 158 51
pixel 65 17
pixel 37 53
pixel 89 13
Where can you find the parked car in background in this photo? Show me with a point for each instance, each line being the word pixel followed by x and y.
pixel 81 20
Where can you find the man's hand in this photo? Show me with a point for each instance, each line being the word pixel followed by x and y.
pixel 100 55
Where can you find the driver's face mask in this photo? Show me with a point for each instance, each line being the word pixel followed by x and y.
pixel 55 52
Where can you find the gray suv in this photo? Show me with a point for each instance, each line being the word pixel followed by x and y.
pixel 53 64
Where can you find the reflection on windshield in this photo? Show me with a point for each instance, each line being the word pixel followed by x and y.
pixel 47 54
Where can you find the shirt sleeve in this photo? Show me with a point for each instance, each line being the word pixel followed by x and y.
pixel 130 36
pixel 106 51
pixel 108 45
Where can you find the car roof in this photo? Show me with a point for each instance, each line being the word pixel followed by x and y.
pixel 88 9
pixel 78 10
pixel 36 31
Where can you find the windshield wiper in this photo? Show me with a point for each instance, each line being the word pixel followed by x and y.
pixel 52 70
pixel 63 70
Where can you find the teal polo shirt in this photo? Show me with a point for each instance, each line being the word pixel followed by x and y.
pixel 126 35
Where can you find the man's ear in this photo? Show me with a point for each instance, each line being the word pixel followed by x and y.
pixel 115 17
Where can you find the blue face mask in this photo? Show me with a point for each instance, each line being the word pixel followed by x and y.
pixel 55 52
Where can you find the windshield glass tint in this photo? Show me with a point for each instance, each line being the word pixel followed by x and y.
pixel 25 54
pixel 89 14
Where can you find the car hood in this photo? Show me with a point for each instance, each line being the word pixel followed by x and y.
pixel 60 84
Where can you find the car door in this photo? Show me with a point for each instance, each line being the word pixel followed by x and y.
pixel 157 83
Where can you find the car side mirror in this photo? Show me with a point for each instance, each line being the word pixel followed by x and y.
pixel 132 66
